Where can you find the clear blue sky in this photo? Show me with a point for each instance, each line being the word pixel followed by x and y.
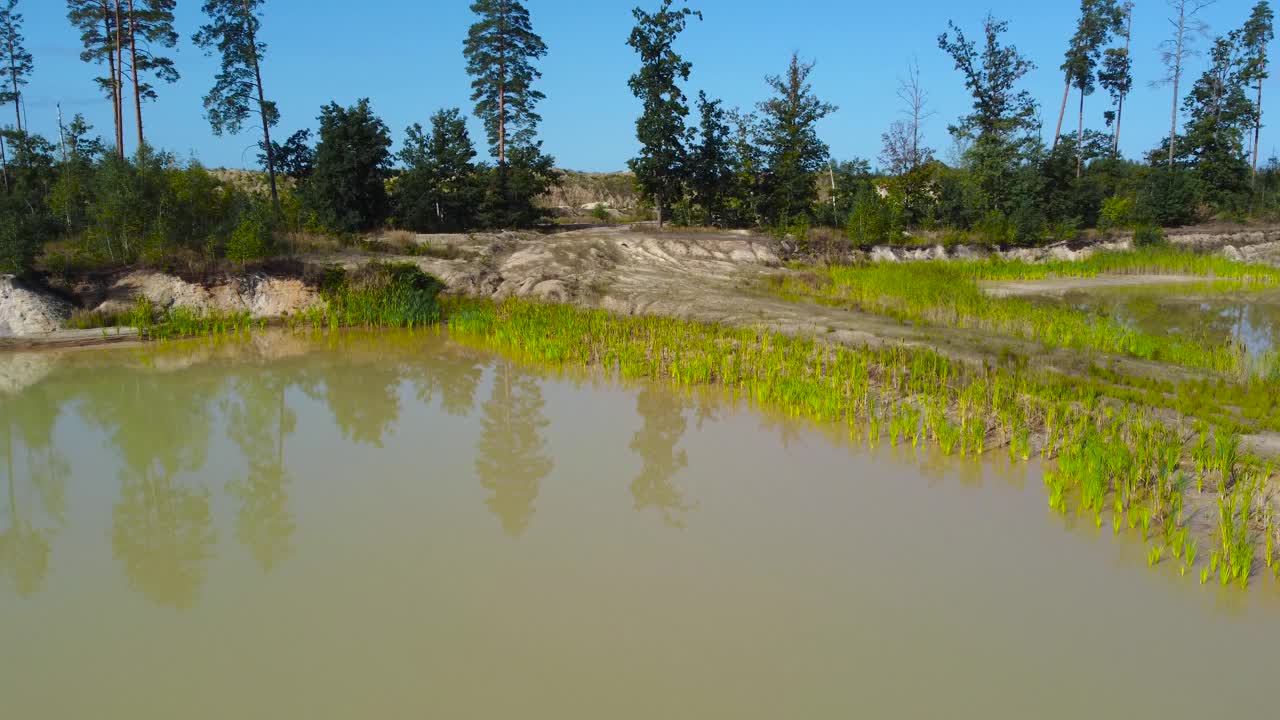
pixel 406 56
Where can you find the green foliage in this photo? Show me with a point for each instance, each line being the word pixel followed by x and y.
pixel 500 49
pixel 660 169
pixel 440 188
pixel 347 187
pixel 382 295
pixel 711 172
pixel 252 238
pixel 1146 236
pixel 17 65
pixel 1003 123
pixel 21 236
pixel 1117 213
pixel 232 31
pixel 996 230
pixel 511 191
pixel 793 153
pixel 1167 198
pixel 874 220
pixel 947 293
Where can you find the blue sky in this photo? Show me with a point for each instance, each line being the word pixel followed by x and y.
pixel 405 55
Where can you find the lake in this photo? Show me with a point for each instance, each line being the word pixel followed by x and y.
pixel 401 526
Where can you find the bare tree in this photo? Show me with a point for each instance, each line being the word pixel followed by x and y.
pixel 904 148
pixel 1175 51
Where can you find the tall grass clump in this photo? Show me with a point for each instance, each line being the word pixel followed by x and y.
pixel 382 295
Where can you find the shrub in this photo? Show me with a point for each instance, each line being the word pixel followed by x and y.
pixel 874 220
pixel 1117 213
pixel 20 239
pixel 1065 230
pixel 252 237
pixel 1028 225
pixel 1168 198
pixel 995 229
pixel 1149 236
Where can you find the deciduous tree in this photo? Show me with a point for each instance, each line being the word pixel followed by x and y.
pixel 660 169
pixel 1002 126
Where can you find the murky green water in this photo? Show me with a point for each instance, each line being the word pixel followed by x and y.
pixel 1251 319
pixel 410 529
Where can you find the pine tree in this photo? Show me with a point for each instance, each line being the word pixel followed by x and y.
pixel 18 63
pixel 1116 76
pixel 789 138
pixel 148 26
pixel 711 174
pixel 1219 116
pixel 660 169
pixel 98 22
pixel 439 188
pixel 1174 54
pixel 1256 34
pixel 353 156
pixel 1099 20
pixel 500 50
pixel 237 89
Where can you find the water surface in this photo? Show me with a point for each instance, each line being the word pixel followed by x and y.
pixel 397 527
pixel 1251 319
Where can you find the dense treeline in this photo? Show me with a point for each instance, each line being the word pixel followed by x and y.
pixel 1007 183
pixel 700 163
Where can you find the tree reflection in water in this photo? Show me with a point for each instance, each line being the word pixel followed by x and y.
pixel 511 457
pixel 258 421
pixel 453 375
pixel 35 487
pixel 663 413
pixel 160 424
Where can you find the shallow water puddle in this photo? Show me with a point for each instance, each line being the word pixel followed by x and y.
pixel 404 527
pixel 1251 319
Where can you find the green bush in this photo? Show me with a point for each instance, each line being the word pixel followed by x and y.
pixel 19 241
pixel 1028 225
pixel 874 220
pixel 1149 236
pixel 1168 198
pixel 1065 230
pixel 1117 213
pixel 252 238
pixel 995 229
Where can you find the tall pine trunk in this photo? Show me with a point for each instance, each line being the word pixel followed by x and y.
pixel 1128 59
pixel 111 69
pixel 117 81
pixel 4 165
pixel 1066 93
pixel 262 109
pixel 1080 138
pixel 133 63
pixel 13 75
pixel 1177 76
pixel 1257 120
